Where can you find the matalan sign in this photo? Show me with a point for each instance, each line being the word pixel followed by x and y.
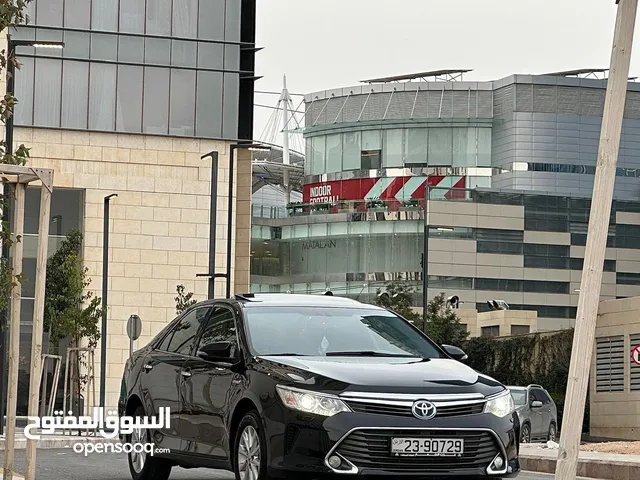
pixel 635 354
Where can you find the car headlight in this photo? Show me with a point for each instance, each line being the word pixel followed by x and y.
pixel 500 406
pixel 311 402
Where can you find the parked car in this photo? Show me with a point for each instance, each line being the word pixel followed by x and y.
pixel 538 414
pixel 276 385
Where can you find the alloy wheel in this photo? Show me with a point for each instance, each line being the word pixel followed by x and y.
pixel 552 433
pixel 249 454
pixel 138 459
pixel 526 434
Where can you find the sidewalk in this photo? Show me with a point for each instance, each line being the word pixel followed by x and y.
pixel 56 441
pixel 604 466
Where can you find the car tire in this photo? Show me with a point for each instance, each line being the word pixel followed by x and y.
pixel 552 436
pixel 525 433
pixel 141 465
pixel 249 449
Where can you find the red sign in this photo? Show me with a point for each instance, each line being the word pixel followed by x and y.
pixel 400 189
pixel 635 355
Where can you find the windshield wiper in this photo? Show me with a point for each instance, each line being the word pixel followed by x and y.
pixel 285 355
pixel 367 353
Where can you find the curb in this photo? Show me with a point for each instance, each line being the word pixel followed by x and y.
pixel 51 443
pixel 589 468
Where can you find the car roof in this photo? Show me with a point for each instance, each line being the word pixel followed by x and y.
pixel 251 300
pixel 299 300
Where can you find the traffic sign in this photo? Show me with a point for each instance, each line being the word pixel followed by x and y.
pixel 134 327
pixel 635 354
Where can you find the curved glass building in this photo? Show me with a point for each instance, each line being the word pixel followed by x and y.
pixel 510 164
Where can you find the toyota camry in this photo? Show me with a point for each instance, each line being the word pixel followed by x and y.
pixel 304 386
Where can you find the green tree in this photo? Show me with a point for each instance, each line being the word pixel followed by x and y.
pixel 70 310
pixel 184 301
pixel 12 13
pixel 399 296
pixel 443 325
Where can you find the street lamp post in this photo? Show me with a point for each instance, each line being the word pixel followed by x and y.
pixel 105 291
pixel 11 71
pixel 212 275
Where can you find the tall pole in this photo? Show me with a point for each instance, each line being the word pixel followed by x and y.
pixel 105 302
pixel 425 256
pixel 38 322
pixel 11 70
pixel 14 334
pixel 232 150
pixel 213 214
pixel 284 99
pixel 589 298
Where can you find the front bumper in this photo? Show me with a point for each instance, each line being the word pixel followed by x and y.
pixel 303 444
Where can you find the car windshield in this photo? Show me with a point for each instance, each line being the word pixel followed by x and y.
pixel 519 397
pixel 316 331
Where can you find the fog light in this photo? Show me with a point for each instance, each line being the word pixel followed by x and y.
pixel 335 461
pixel 498 463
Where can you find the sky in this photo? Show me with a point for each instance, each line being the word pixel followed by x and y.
pixel 324 44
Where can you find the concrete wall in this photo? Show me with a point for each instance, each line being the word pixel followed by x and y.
pixel 615 378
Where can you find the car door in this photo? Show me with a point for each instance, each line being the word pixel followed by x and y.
pixel 538 428
pixel 209 388
pixel 161 377
pixel 547 412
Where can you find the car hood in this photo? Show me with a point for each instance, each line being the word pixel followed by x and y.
pixel 378 374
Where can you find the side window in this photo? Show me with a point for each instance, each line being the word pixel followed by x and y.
pixel 220 328
pixel 183 337
pixel 539 396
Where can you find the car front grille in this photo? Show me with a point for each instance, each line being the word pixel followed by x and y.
pixel 405 410
pixel 371 449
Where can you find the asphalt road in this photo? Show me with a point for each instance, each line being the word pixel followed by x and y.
pixel 65 464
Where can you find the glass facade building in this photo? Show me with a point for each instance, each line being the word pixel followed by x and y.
pixel 510 164
pixel 164 67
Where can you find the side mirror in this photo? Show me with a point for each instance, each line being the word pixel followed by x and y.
pixel 455 352
pixel 536 404
pixel 216 352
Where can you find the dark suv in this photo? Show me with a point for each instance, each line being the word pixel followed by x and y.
pixel 303 386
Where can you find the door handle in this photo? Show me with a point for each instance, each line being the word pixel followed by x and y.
pixel 185 373
pixel 148 367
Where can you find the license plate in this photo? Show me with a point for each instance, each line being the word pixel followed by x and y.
pixel 430 447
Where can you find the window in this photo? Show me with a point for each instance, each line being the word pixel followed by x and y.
pixel 230 105
pixel 156 100
pixel 370 160
pixel 351 151
pixel 492 331
pixel 211 21
pixel 464 147
pixel 132 14
pixel 209 105
pixel 24 92
pixel 538 395
pixel 416 146
pixel 102 96
pixel 610 358
pixel 334 153
pixel 129 114
pixel 184 335
pixel 578 264
pixel 183 88
pixel 319 152
pixel 48 84
pixel 519 330
pixel 440 147
pixel 627 278
pixel 159 17
pixel 77 13
pixel 75 94
pixel 49 13
pixel 185 18
pixel 220 328
pixel 393 148
pixel 104 15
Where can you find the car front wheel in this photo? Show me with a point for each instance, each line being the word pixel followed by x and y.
pixel 142 465
pixel 553 433
pixel 250 459
pixel 525 434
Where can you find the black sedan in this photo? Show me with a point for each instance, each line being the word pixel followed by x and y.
pixel 298 386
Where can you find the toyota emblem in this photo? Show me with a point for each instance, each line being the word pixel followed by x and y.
pixel 423 410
